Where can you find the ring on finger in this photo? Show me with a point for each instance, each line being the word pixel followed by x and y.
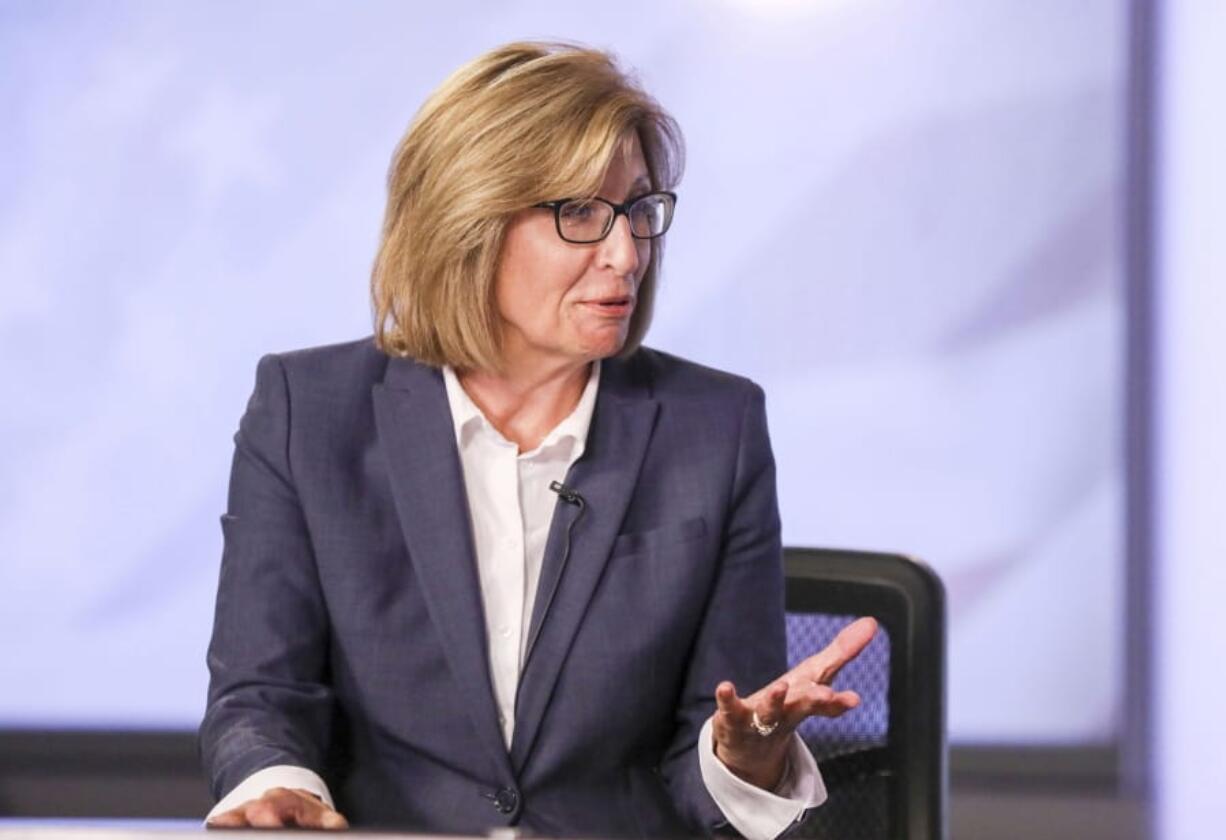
pixel 763 729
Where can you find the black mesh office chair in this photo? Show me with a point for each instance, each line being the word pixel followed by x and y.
pixel 884 763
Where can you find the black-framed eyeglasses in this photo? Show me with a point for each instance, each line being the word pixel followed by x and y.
pixel 587 220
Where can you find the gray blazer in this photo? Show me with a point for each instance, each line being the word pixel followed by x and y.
pixel 349 636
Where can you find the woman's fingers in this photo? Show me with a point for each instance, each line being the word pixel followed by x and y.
pixel 305 810
pixel 802 692
pixel 855 637
pixel 229 819
pixel 266 812
pixel 732 708
pixel 332 820
pixel 848 699
pixel 825 665
pixel 281 808
pixel 746 753
pixel 770 708
pixel 824 701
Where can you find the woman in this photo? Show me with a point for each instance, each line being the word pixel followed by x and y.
pixel 500 565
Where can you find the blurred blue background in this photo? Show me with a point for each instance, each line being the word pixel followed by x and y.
pixel 904 219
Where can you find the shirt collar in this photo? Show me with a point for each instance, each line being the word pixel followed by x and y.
pixel 468 420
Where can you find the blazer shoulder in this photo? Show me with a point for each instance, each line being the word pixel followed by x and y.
pixel 333 368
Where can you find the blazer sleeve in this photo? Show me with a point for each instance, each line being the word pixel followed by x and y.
pixel 269 702
pixel 742 637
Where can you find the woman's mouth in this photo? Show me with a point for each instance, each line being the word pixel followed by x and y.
pixel 613 307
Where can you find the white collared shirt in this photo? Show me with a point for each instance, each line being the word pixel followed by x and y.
pixel 510 507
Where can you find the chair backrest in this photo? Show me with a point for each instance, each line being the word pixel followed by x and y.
pixel 884 763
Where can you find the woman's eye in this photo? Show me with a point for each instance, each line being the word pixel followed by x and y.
pixel 577 212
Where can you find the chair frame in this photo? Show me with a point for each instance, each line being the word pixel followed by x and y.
pixel 908 600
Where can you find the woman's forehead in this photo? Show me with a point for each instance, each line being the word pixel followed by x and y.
pixel 629 164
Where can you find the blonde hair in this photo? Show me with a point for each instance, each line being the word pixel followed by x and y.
pixel 524 123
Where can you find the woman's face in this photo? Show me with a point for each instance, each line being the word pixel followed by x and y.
pixel 562 302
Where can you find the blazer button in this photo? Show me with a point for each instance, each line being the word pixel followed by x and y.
pixel 506 800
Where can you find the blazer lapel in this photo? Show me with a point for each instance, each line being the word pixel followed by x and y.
pixel 605 477
pixel 418 440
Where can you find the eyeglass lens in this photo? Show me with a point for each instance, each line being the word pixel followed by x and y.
pixel 589 220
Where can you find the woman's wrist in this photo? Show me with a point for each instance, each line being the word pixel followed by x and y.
pixel 765 771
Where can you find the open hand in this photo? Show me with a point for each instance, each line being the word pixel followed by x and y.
pixel 281 808
pixel 756 753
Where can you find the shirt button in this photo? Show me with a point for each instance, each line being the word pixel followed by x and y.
pixel 504 632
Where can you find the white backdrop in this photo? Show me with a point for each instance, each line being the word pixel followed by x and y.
pixel 903 219
pixel 1189 569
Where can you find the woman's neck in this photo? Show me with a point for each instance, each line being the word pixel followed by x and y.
pixel 525 403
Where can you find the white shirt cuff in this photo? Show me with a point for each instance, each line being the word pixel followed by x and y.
pixel 756 813
pixel 280 775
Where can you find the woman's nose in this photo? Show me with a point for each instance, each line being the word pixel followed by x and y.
pixel 619 250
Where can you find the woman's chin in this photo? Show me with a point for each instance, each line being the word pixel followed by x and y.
pixel 604 346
